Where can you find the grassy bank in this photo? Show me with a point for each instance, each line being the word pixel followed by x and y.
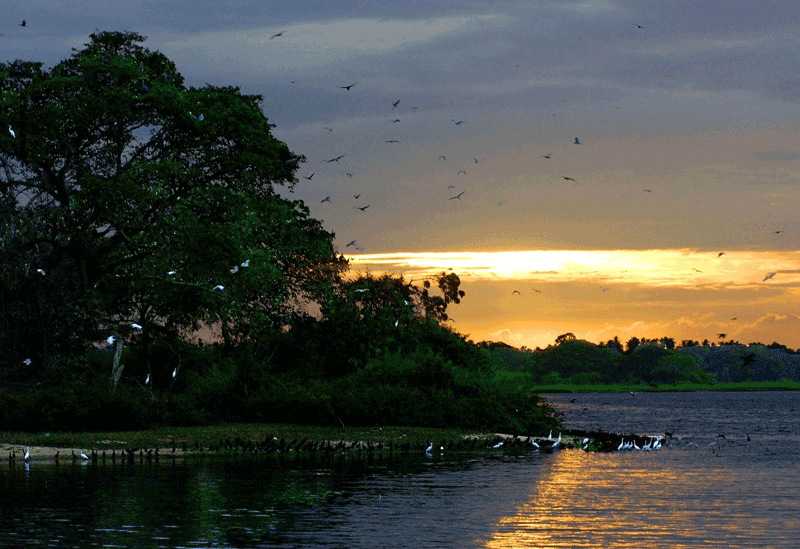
pixel 682 387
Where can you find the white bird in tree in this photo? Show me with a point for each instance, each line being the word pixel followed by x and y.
pixel 219 287
pixel 84 457
pixel 174 372
pixel 235 269
pixel 770 275
pixel 136 326
pixel 246 263
pixel 27 362
pixel 147 379
pixel 14 135
pixel 27 454
pixel 40 271
pixel 110 340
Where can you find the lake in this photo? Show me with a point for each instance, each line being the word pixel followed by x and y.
pixel 725 491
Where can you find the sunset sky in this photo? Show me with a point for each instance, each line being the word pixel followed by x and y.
pixel 688 129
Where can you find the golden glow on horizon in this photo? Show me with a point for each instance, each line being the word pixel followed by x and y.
pixel 677 268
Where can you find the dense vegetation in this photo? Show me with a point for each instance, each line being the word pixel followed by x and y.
pixel 576 362
pixel 136 214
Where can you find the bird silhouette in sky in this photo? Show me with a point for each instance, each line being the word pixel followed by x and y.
pixel 440 158
pixel 577 142
pixel 351 243
pixel 647 190
pixel 23 24
pixel 348 87
pixel 396 120
pixel 734 318
pixel 326 199
pixel 476 160
pixel 698 270
pixel 309 176
pixel 721 336
pixel 461 171
pixel 276 35
pixel 604 289
pixel 356 196
pixel 460 122
pixel 770 275
pixel 515 292
pixel 364 208
pixel 639 26
pixel 567 178
pixel 394 105
pixel 349 174
pixel 778 232
pixel 451 186
pixel 457 196
pixel 392 141
pixel 335 159
pixel 537 291
pixel 720 254
pixel 548 155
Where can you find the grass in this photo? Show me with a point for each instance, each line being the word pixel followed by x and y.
pixel 664 387
pixel 165 437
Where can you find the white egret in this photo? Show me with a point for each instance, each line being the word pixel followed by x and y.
pixel 110 340
pixel 136 326
pixel 171 273
pixel 201 117
pixel 235 269
pixel 246 263
pixel 11 132
pixel 636 446
pixel 550 436
pixel 498 445
pixel 40 271
pixel 27 362
pixel 219 287
pixel 429 448
pixel 174 372
pixel 147 379
pixel 621 445
pixel 534 444
pixel 27 454
pixel 84 457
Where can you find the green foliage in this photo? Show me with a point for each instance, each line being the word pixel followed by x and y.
pixel 112 183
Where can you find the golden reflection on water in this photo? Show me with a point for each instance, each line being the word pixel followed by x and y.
pixel 626 500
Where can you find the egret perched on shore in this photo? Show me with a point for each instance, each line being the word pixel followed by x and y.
pixel 11 132
pixel 429 448
pixel 27 454
pixel 84 457
pixel 498 445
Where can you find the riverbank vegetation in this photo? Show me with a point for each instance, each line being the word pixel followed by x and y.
pixel 151 273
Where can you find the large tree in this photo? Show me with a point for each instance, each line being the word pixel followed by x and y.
pixel 127 198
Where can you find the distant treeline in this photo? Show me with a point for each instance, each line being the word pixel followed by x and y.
pixel 644 360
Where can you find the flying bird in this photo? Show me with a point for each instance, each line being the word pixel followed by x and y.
pixel 348 174
pixel 309 176
pixel 174 372
pixel 461 171
pixel 336 159
pixel 14 135
pixel 396 120
pixel 356 196
pixel 451 187
pixel 276 35
pixel 515 292
pixel 457 196
pixel 326 199
pixel 23 24
pixel 577 142
pixel 394 105
pixel 698 270
pixel 392 141
pixel 548 155
pixel 476 160
pixel 776 232
pixel 364 208
pixel 351 243
pixel 721 336
pixel 720 254
pixel 460 122
pixel 647 190
pixel 348 87
pixel 770 275
pixel 567 178
pixel 537 291
pixel 440 158
pixel 639 26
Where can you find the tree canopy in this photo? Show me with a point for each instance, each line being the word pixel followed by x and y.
pixel 127 198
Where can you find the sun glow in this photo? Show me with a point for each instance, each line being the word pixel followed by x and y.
pixel 681 267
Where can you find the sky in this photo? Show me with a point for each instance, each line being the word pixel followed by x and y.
pixel 685 112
